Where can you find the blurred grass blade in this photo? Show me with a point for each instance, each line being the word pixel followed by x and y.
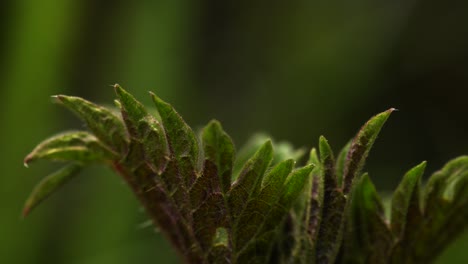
pixel 406 201
pixel 219 149
pixel 102 122
pixel 49 185
pixel 361 146
pixel 78 146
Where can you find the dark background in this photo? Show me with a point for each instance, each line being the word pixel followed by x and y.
pixel 294 69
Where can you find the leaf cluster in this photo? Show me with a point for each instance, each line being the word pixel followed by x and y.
pixel 258 206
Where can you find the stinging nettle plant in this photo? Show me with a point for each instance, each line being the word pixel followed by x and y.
pixel 258 207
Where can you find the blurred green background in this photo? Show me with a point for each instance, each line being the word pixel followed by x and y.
pixel 295 69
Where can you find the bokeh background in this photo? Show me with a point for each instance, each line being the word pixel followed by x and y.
pixel 295 69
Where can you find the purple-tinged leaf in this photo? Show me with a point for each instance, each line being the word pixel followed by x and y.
pixel 360 148
pixel 49 185
pixel 102 122
pixel 180 137
pixel 144 129
pixel 219 149
pixel 77 146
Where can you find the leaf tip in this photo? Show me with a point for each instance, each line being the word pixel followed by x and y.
pixel 160 104
pixel 58 99
pixel 28 160
pixel 25 212
pixel 268 145
pixel 118 90
pixel 309 167
pixel 422 165
pixel 324 147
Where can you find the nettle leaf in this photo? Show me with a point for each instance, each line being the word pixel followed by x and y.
pixel 341 163
pixel 283 151
pixel 207 201
pixel 445 215
pixel 144 129
pixel 49 185
pixel 406 203
pixel 309 214
pixel 260 246
pixel 207 218
pixel 316 195
pixel 334 202
pixel 258 208
pixel 368 238
pixel 220 251
pixel 249 181
pixel 182 141
pixel 360 148
pixel 102 122
pixel 247 151
pixel 219 149
pixel 78 146
pixel 294 185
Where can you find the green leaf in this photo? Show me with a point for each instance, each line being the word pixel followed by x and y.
pixel 247 151
pixel 144 129
pixel 180 137
pixel 295 185
pixel 205 185
pixel 78 146
pixel 311 217
pixel 259 247
pixel 361 146
pixel 368 238
pixel 273 180
pixel 406 200
pixel 102 122
pixel 49 185
pixel 283 151
pixel 334 203
pixel 328 164
pixel 259 250
pixel 257 209
pixel 207 218
pixel 445 213
pixel 219 149
pixel 451 174
pixel 249 181
pixel 341 163
pixel 220 251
